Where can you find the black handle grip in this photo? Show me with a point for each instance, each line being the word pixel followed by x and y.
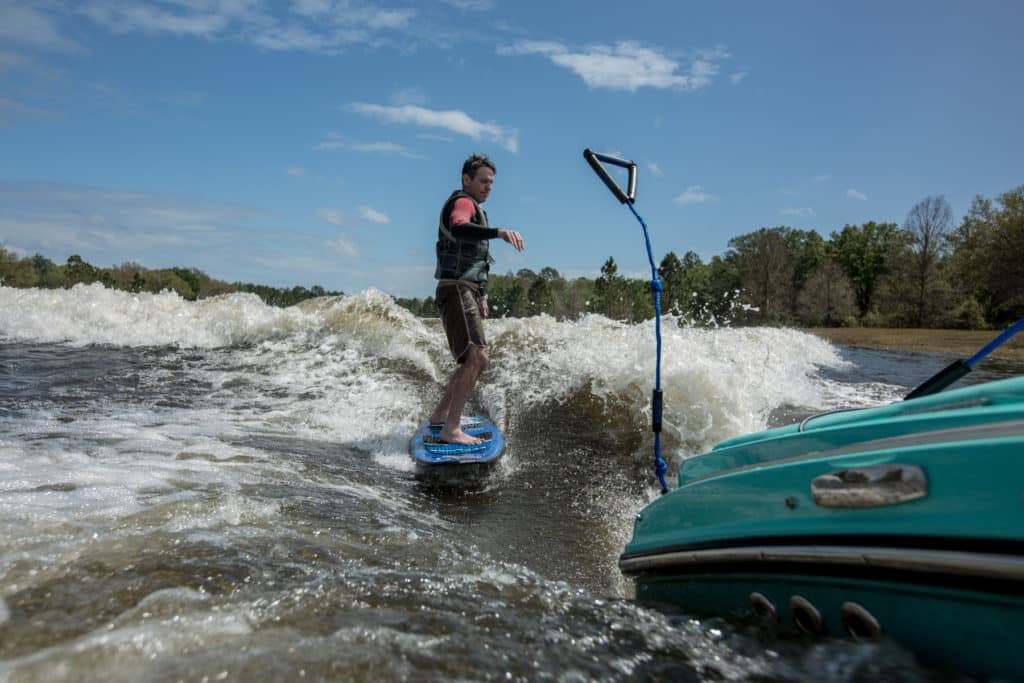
pixel 657 405
pixel 940 380
pixel 595 158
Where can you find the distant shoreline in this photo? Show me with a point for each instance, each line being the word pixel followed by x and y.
pixel 963 343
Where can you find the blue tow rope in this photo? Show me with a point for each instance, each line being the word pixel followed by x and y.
pixel 959 368
pixel 995 343
pixel 595 160
pixel 657 401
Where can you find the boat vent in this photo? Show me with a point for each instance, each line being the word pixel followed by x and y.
pixel 859 622
pixel 806 616
pixel 763 607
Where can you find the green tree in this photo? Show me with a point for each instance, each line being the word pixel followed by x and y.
pixel 826 299
pixel 614 300
pixel 697 294
pixel 48 273
pixel 16 272
pixel 78 271
pixel 724 287
pixel 560 306
pixel 988 252
pixel 157 281
pixel 505 296
pixel 926 231
pixel 674 297
pixel 579 297
pixel 807 251
pixel 539 298
pixel 766 272
pixel 864 253
pixel 191 278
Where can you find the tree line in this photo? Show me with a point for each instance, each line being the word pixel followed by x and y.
pixel 188 283
pixel 929 272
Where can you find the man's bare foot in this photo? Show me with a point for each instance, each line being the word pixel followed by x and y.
pixel 459 437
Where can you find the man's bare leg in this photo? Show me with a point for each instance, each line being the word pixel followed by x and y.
pixel 455 396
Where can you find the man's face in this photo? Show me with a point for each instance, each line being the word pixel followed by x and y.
pixel 479 186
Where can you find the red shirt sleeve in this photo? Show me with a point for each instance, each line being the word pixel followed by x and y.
pixel 462 212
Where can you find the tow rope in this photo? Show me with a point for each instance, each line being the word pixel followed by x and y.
pixel 628 198
pixel 959 367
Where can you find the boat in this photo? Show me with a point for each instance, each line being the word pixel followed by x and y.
pixel 904 521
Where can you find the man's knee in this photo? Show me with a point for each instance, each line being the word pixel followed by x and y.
pixel 476 356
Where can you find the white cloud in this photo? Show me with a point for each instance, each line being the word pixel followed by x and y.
pixel 108 227
pixel 856 194
pixel 232 243
pixel 11 111
pixel 414 95
pixel 799 212
pixel 311 8
pixel 32 28
pixel 471 5
pixel 626 65
pixel 11 60
pixel 823 177
pixel 333 216
pixel 738 77
pixel 654 168
pixel 373 215
pixel 282 38
pixel 321 26
pixel 694 194
pixel 377 18
pixel 295 171
pixel 131 17
pixel 343 247
pixel 334 141
pixel 452 120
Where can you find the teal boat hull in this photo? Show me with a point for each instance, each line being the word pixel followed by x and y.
pixel 905 520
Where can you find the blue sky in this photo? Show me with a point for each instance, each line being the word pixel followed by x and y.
pixel 313 141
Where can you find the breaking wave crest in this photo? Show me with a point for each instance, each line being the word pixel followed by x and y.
pixel 718 382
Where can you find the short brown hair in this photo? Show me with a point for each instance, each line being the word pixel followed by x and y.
pixel 475 163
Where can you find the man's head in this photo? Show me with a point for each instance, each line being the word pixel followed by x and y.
pixel 478 177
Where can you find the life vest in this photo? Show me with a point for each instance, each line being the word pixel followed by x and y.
pixel 459 259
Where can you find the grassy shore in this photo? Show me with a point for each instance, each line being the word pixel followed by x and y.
pixel 963 343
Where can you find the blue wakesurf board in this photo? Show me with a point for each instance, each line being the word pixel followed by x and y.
pixel 427 449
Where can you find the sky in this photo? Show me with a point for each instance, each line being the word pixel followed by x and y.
pixel 313 142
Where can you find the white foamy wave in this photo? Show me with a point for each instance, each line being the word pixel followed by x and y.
pixel 717 382
pixel 93 314
pixel 374 323
pixel 840 395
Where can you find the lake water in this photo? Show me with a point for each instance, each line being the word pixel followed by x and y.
pixel 221 491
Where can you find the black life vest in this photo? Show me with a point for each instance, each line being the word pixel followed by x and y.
pixel 459 259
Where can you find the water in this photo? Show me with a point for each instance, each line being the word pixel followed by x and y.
pixel 220 491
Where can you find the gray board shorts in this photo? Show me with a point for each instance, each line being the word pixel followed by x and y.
pixel 458 302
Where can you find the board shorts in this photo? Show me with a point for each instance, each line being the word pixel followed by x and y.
pixel 458 302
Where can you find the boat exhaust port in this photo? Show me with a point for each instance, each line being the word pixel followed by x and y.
pixel 762 607
pixel 806 616
pixel 859 622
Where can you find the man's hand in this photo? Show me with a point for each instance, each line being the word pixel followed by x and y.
pixel 483 307
pixel 512 237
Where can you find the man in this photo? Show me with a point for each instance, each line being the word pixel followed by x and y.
pixel 463 261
